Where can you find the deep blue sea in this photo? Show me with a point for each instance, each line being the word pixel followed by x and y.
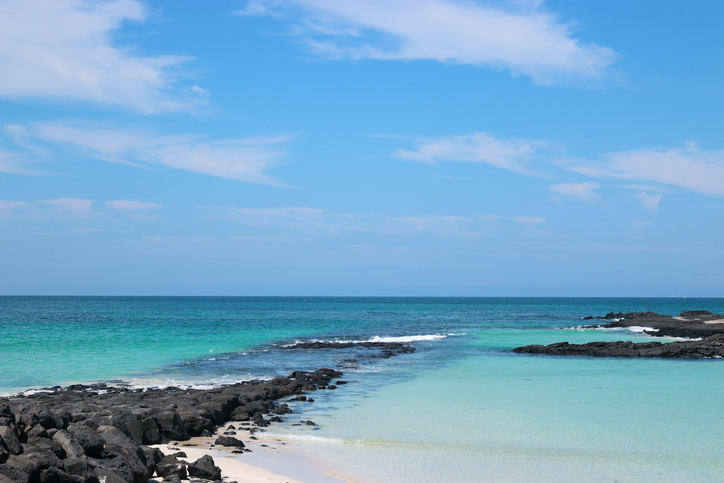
pixel 463 407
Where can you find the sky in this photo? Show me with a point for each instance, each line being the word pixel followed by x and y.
pixel 362 148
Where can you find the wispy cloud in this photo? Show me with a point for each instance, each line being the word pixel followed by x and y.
pixel 579 191
pixel 509 154
pixel 240 159
pixel 14 163
pixel 64 49
pixel 650 201
pixel 73 207
pixel 138 210
pixel 304 219
pixel 315 221
pixel 519 36
pixel 689 167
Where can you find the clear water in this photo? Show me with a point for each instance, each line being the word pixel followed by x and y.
pixel 461 408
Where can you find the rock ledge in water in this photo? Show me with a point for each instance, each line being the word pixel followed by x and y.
pixel 711 347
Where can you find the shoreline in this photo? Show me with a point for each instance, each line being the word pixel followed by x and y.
pixel 97 434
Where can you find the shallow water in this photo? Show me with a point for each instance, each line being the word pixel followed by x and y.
pixel 461 408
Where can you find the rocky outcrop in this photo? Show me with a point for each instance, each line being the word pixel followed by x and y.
pixel 89 434
pixel 711 347
pixel 690 324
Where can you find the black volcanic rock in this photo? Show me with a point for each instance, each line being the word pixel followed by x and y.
pixel 711 347
pixel 205 468
pixel 229 442
pixel 690 324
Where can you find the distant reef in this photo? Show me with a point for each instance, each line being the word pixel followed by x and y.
pixel 704 328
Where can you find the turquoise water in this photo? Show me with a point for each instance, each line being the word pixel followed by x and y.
pixel 461 408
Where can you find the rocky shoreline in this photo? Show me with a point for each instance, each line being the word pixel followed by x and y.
pixel 102 434
pixel 706 330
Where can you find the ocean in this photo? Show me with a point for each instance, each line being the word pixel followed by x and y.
pixel 462 407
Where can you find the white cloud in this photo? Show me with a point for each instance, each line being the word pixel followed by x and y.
pixel 689 167
pixel 508 154
pixel 240 159
pixel 650 201
pixel 304 219
pixel 314 221
pixel 70 206
pixel 64 49
pixel 130 205
pixel 137 210
pixel 519 36
pixel 580 191
pixel 438 225
pixel 14 163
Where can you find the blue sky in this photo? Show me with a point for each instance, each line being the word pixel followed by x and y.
pixel 339 147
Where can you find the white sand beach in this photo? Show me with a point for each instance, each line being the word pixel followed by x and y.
pixel 271 460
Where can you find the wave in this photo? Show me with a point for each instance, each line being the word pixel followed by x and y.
pixel 379 338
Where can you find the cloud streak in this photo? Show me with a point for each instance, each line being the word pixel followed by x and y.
pixel 239 159
pixel 64 49
pixel 508 154
pixel 579 191
pixel 518 36
pixel 689 167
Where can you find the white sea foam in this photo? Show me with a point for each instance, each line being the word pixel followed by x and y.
pixel 378 338
pixel 306 437
pixel 152 383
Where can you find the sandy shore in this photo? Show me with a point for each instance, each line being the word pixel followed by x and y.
pixel 271 460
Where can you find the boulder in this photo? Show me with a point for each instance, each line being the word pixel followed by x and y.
pixel 71 447
pixel 15 473
pixel 40 458
pixel 205 468
pixel 87 438
pixel 151 433
pixel 46 443
pixel 170 424
pixel 124 463
pixel 55 475
pixel 9 440
pixel 37 432
pixel 108 476
pixel 195 424
pixel 229 442
pixel 170 465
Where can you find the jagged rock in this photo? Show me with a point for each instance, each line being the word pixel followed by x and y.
pixel 124 463
pixel 55 475
pixel 170 465
pixel 71 447
pixel 195 424
pixel 15 473
pixel 151 433
pixel 205 468
pixel 87 438
pixel 9 440
pixel 108 476
pixel 45 443
pixel 37 432
pixel 170 424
